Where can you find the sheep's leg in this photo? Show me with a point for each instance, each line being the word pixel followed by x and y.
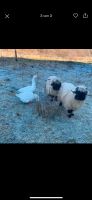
pixel 51 97
pixel 60 104
pixel 55 98
pixel 70 113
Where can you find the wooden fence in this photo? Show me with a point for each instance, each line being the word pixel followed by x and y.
pixel 78 55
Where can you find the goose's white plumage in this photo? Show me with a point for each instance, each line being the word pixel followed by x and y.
pixel 26 94
pixel 27 97
pixel 30 88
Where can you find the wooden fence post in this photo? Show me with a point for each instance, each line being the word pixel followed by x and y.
pixel 16 58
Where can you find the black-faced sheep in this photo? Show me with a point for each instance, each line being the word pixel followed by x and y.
pixel 72 97
pixel 52 86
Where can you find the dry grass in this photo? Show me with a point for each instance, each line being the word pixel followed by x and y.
pixel 78 81
pixel 47 110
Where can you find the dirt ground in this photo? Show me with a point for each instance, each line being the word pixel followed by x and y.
pixel 24 123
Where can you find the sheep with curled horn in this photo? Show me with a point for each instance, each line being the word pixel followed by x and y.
pixel 52 87
pixel 72 97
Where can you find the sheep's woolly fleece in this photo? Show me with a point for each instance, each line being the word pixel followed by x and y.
pixel 48 87
pixel 66 95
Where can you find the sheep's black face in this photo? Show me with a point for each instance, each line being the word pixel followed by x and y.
pixel 56 85
pixel 80 95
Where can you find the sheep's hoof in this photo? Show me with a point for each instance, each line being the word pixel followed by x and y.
pixel 51 99
pixel 70 115
pixel 70 111
pixel 60 104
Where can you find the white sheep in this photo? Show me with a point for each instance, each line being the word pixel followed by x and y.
pixel 71 97
pixel 52 86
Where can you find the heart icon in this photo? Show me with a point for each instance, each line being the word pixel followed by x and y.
pixel 75 15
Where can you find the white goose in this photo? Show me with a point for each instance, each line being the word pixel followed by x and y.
pixel 26 94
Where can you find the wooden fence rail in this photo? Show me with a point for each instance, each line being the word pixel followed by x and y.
pixel 77 55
